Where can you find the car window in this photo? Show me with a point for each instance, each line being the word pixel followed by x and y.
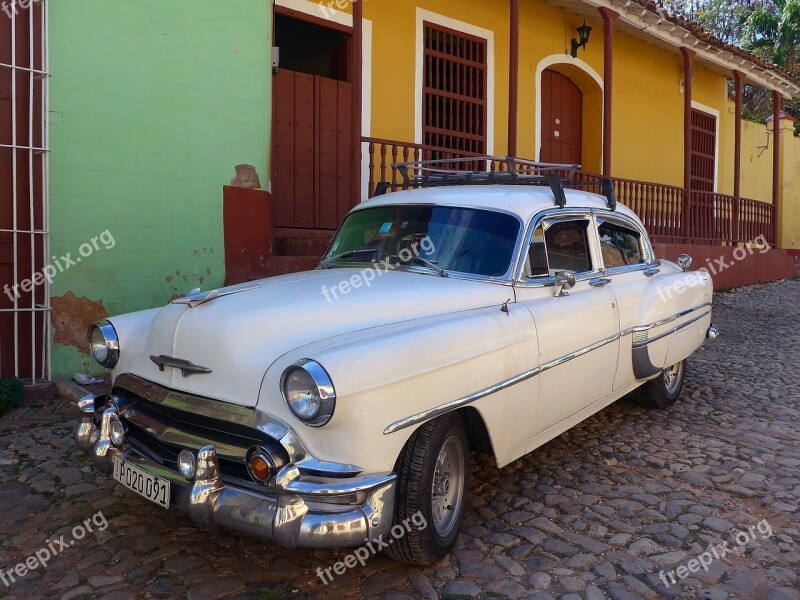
pixel 559 246
pixel 464 240
pixel 621 246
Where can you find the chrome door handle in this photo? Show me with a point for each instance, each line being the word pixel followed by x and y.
pixel 603 281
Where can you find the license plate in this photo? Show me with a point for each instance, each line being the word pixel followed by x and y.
pixel 147 485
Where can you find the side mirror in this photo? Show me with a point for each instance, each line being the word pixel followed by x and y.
pixel 565 280
pixel 684 261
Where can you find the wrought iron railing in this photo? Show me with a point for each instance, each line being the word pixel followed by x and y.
pixel 671 214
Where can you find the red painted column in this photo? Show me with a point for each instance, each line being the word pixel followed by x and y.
pixel 513 79
pixel 738 78
pixel 777 106
pixel 609 16
pixel 688 68
pixel 356 62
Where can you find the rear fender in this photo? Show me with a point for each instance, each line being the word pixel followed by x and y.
pixel 673 317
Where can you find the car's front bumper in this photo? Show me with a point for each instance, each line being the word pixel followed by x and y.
pixel 306 511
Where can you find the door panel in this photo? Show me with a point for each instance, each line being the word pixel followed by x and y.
pixel 566 326
pixel 562 119
pixel 578 331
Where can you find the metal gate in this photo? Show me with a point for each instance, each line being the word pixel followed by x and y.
pixel 562 119
pixel 24 231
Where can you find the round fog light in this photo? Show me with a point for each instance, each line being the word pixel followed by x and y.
pixel 118 433
pixel 261 467
pixel 187 464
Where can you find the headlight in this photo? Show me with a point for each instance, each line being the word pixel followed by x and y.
pixel 308 392
pixel 104 344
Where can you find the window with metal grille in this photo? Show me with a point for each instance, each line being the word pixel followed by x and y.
pixel 454 98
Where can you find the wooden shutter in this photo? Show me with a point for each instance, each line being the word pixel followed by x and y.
pixel 454 93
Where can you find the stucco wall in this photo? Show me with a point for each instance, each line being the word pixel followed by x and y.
pixel 152 106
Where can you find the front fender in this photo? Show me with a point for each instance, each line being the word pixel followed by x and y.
pixel 388 373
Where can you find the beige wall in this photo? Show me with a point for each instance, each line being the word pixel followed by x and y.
pixel 757 159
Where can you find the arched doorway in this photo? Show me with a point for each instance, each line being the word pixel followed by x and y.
pixel 569 113
pixel 562 119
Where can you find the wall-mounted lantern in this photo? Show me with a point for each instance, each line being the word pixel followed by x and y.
pixel 583 39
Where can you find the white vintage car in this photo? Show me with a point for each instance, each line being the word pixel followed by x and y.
pixel 322 408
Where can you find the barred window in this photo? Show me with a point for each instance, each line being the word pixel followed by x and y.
pixel 455 92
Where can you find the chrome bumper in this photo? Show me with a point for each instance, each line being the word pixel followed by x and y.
pixel 304 512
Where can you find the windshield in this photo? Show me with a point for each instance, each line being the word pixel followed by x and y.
pixel 462 240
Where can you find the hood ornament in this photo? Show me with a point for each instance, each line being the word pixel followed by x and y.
pixel 188 368
pixel 196 297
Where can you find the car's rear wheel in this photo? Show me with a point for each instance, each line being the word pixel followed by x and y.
pixel 433 476
pixel 664 390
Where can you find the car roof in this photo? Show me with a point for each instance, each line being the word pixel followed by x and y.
pixel 526 201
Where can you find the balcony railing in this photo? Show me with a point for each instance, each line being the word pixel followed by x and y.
pixel 671 214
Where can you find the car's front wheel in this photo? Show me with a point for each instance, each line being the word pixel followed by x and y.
pixel 433 475
pixel 664 390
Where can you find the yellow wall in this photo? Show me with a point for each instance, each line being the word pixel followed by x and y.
pixel 756 162
pixel 648 102
pixel 648 97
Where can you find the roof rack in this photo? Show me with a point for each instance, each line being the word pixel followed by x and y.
pixel 512 171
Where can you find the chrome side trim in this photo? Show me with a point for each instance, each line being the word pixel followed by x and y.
pixel 655 324
pixel 432 413
pixel 596 346
pixel 671 331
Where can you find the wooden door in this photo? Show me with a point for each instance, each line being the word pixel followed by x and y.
pixel 312 182
pixel 705 225
pixel 704 150
pixel 562 119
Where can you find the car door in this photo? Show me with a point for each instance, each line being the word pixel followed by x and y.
pixel 578 329
pixel 625 254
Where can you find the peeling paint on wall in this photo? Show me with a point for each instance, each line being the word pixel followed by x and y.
pixel 71 318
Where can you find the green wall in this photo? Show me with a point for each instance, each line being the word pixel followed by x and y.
pixel 152 105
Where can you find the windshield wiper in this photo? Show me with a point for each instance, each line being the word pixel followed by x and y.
pixel 431 265
pixel 325 263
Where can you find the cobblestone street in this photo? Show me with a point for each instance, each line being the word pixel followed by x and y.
pixel 607 510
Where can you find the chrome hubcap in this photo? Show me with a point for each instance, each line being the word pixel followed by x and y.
pixel 448 486
pixel 673 377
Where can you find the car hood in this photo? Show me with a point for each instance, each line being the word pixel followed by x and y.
pixel 239 335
